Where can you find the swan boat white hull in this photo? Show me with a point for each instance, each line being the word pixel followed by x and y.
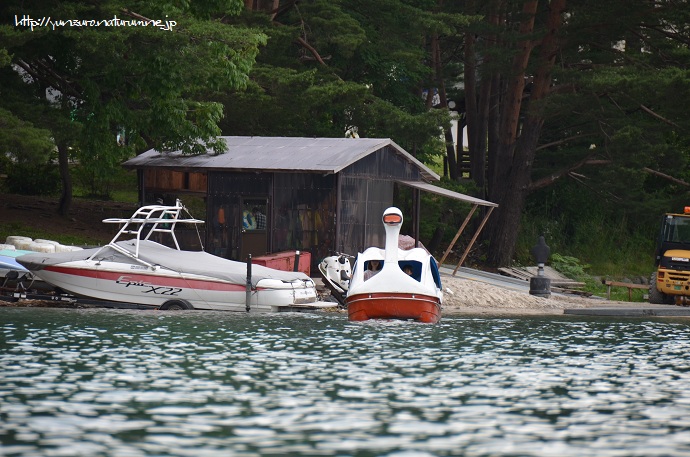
pixel 392 293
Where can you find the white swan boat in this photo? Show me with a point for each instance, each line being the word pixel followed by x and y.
pixel 391 292
pixel 142 271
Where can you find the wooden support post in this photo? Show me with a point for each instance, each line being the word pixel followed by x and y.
pixel 248 293
pixel 417 203
pixel 474 238
pixel 457 235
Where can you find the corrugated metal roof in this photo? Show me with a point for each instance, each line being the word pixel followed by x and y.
pixel 319 155
pixel 448 193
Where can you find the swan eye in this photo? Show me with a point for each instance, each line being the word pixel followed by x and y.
pixel 392 219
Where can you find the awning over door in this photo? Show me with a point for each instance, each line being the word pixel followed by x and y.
pixel 475 202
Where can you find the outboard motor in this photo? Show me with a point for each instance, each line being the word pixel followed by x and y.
pixel 15 278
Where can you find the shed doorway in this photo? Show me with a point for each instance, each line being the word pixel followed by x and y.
pixel 254 231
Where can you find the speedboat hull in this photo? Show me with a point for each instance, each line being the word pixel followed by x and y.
pixel 132 284
pixel 390 305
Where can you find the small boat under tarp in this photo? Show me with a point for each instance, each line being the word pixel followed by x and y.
pixel 407 285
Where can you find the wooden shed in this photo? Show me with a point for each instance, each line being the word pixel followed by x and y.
pixel 272 194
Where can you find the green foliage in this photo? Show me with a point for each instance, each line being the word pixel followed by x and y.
pixel 573 268
pixel 106 182
pixel 32 179
pixel 625 115
pixel 105 93
pixel 7 229
pixel 615 120
pixel 332 65
pixel 21 141
pixel 568 266
pixel 335 32
pixel 5 58
pixel 618 293
pixel 614 239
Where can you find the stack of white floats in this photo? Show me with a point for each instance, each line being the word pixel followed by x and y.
pixel 24 243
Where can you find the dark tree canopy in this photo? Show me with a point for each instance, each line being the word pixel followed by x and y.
pixel 589 93
pixel 108 90
pixel 579 90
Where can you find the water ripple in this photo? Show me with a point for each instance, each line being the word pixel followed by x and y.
pixel 133 383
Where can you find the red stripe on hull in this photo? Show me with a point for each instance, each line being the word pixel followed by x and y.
pixel 154 280
pixel 382 305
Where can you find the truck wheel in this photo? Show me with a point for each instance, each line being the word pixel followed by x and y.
pixel 655 296
pixel 176 305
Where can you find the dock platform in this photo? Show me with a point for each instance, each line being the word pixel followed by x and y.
pixel 641 310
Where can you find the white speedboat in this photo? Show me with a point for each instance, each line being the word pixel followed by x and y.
pixel 145 272
pixel 406 285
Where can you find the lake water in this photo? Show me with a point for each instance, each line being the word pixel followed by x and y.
pixel 151 383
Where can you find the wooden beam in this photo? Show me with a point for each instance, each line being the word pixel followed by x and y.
pixel 474 238
pixel 457 235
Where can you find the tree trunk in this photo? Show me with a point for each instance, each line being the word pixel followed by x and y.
pixel 492 128
pixel 474 122
pixel 516 154
pixel 512 103
pixel 506 181
pixel 494 103
pixel 451 151
pixel 451 155
pixel 476 108
pixel 478 96
pixel 65 177
pixel 506 219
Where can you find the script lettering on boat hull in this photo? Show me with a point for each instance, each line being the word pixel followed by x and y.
pixel 128 281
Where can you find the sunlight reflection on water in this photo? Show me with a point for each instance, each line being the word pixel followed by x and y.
pixel 141 383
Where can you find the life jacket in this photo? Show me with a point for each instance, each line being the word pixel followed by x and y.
pixel 248 221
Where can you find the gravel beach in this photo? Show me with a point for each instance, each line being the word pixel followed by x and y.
pixel 464 296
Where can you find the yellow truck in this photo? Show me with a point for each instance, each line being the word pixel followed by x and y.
pixel 670 283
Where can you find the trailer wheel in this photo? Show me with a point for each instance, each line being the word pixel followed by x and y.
pixel 176 305
pixel 656 297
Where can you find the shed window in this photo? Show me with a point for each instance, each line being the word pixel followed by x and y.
pixel 254 214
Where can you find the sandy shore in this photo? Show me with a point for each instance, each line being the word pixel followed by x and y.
pixel 464 296
pixel 461 296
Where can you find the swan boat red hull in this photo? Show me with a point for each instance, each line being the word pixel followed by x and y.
pixel 392 305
